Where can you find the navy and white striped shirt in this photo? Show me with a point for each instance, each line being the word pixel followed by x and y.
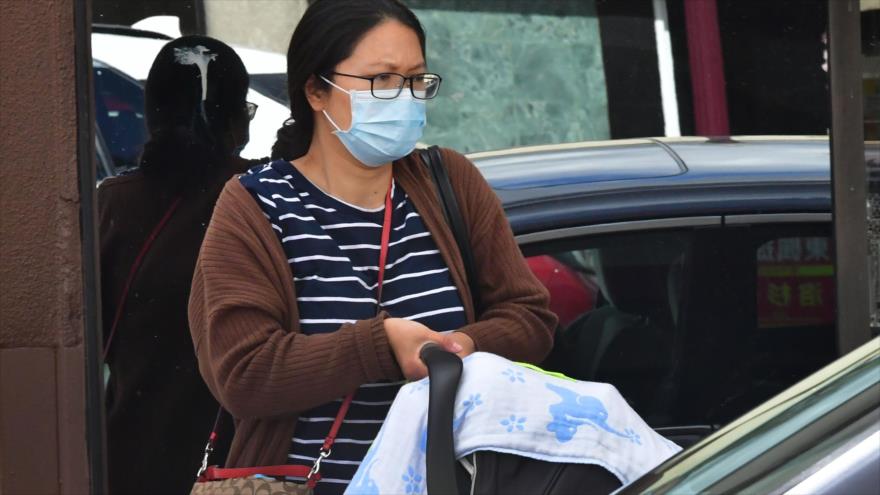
pixel 333 249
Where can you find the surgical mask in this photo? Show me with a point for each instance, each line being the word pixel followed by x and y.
pixel 381 130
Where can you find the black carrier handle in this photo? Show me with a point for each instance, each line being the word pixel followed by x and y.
pixel 444 370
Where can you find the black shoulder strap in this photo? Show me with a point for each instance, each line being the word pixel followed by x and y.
pixel 434 160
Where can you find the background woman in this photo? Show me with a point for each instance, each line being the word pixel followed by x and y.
pixel 159 411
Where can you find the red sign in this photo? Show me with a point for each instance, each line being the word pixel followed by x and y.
pixel 795 283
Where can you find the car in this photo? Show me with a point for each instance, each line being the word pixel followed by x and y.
pixel 705 264
pixel 122 57
pixel 822 435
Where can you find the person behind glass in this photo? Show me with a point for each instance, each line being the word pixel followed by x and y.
pixel 285 310
pixel 159 411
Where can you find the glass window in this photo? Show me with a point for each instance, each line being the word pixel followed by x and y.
pixel 119 114
pixel 693 327
pixel 619 300
pixel 523 75
pixel 795 283
pixel 273 86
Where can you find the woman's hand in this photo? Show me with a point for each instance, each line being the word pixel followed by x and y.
pixel 407 338
pixel 466 342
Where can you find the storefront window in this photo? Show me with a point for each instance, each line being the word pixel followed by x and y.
pixel 522 76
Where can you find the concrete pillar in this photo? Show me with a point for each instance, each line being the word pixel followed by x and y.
pixel 43 446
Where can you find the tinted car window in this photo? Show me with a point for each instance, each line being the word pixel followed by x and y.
pixel 619 301
pixel 272 85
pixel 693 327
pixel 119 113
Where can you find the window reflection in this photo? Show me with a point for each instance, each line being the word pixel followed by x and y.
pixel 119 114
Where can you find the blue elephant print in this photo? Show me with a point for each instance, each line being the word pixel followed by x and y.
pixel 576 410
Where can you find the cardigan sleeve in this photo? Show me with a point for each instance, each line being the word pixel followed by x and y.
pixel 243 320
pixel 515 320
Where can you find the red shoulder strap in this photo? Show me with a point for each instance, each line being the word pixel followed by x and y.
pixel 134 269
pixel 211 473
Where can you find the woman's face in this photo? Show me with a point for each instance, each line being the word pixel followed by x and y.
pixel 389 47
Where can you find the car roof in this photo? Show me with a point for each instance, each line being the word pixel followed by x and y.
pixel 625 180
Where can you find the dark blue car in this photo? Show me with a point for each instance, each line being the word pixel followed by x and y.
pixel 694 274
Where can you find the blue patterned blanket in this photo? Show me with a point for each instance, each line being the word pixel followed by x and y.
pixel 506 407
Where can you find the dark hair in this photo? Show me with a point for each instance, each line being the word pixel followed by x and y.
pixel 326 35
pixel 186 136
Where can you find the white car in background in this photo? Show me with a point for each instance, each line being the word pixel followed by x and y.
pixel 122 57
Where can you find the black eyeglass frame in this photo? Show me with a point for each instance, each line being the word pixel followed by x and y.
pixel 251 109
pixel 400 88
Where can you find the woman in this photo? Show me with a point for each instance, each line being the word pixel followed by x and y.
pixel 285 309
pixel 159 411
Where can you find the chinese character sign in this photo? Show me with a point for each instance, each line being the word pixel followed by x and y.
pixel 795 282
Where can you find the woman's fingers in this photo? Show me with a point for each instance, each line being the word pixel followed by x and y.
pixel 407 339
pixel 450 344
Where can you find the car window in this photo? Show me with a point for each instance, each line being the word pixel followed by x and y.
pixel 271 85
pixel 795 283
pixel 760 318
pixel 619 301
pixel 119 114
pixel 694 327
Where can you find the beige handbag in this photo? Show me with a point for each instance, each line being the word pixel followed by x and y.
pixel 251 485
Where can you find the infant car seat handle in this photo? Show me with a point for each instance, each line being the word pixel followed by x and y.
pixel 444 371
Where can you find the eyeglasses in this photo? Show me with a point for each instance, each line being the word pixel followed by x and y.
pixel 389 85
pixel 251 109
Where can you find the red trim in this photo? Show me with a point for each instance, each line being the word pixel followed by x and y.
pixel 383 258
pixel 386 236
pixel 337 423
pixel 214 473
pixel 133 271
pixel 707 68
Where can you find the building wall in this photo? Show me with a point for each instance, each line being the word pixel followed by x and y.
pixel 515 73
pixel 263 24
pixel 42 393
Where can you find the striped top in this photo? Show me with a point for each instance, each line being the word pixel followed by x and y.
pixel 333 250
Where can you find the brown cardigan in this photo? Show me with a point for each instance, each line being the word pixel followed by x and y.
pixel 244 322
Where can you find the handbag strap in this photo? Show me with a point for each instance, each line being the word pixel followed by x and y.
pixel 434 160
pixel 213 473
pixel 132 273
pixel 210 473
